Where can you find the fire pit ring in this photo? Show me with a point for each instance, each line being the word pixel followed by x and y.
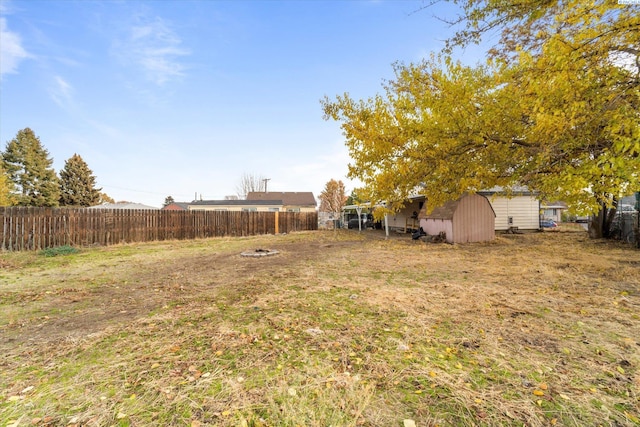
pixel 260 253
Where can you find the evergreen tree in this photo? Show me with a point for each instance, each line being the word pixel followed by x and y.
pixel 28 166
pixel 5 188
pixel 77 184
pixel 168 200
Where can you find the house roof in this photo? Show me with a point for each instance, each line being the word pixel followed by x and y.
pixel 123 206
pixel 445 211
pixel 289 198
pixel 554 205
pixel 183 205
pixel 269 202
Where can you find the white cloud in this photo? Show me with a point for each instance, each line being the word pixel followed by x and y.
pixel 11 50
pixel 61 92
pixel 155 48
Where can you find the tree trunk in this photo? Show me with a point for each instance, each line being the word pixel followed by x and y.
pixel 600 224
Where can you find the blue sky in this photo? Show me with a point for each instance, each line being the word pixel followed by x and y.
pixel 184 97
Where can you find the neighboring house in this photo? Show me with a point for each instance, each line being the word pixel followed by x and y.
pixel 468 219
pixel 553 210
pixel 292 201
pixel 520 209
pixel 176 206
pixel 123 206
pixel 629 203
pixel 237 205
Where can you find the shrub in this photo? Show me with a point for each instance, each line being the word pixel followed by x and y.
pixel 59 250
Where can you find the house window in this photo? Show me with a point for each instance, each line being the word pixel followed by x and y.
pixel 249 209
pixel 274 209
pixel 293 210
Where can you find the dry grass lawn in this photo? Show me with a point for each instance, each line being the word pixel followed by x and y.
pixel 338 329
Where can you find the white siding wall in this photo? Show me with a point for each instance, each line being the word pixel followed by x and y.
pixel 524 210
pixel 399 219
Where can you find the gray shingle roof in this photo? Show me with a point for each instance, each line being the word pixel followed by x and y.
pixel 237 203
pixel 445 211
pixel 123 206
pixel 289 198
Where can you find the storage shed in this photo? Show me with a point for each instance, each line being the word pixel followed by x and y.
pixel 468 219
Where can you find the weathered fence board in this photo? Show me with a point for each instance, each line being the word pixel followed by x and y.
pixel 31 228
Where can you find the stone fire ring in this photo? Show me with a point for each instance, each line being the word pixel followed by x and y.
pixel 260 252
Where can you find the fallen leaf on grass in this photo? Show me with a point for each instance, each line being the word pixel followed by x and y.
pixel 538 392
pixel 632 417
pixel 14 423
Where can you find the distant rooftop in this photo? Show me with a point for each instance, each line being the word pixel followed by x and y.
pixel 289 198
pixel 123 206
pixel 236 202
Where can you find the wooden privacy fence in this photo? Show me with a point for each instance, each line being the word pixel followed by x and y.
pixel 30 228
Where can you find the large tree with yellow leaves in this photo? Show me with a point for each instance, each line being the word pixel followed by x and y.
pixel 554 108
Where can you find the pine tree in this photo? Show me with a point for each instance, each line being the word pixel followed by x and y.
pixel 5 188
pixel 77 184
pixel 28 166
pixel 168 200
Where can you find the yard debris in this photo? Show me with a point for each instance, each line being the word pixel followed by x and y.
pixel 512 230
pixel 260 253
pixel 440 238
